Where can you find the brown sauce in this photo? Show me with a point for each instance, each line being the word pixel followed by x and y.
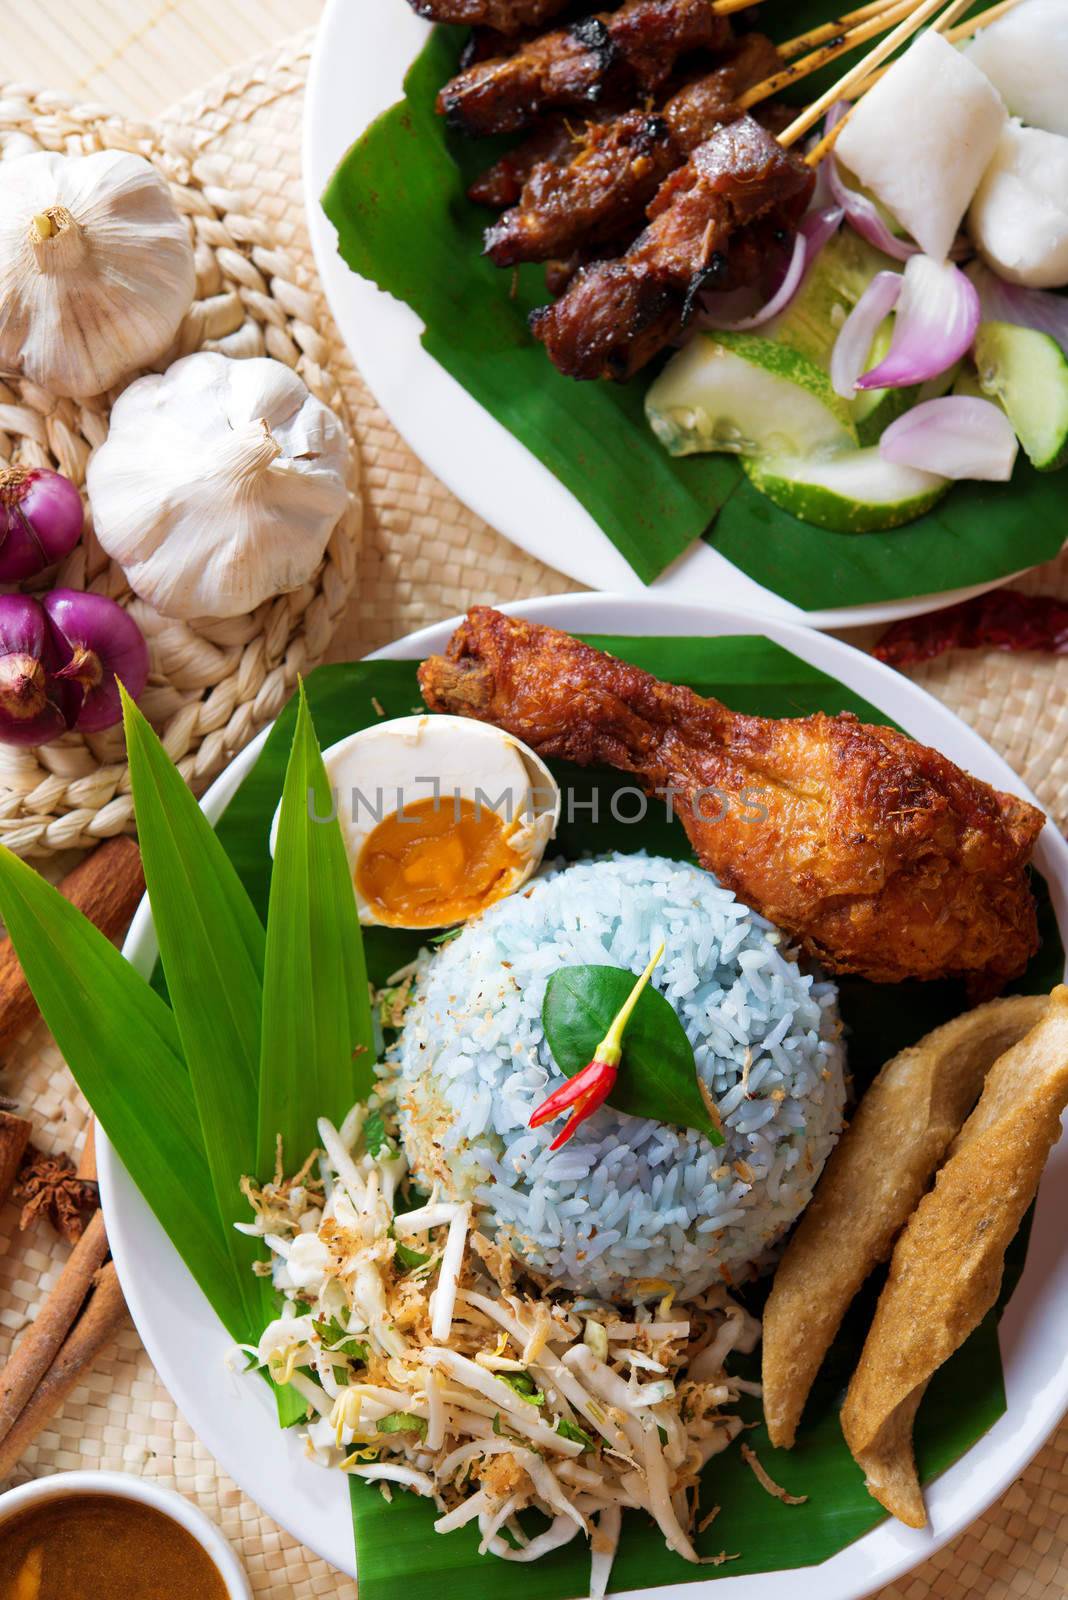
pixel 102 1547
pixel 439 864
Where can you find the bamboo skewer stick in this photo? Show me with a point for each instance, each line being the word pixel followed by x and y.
pixel 724 8
pixel 858 74
pixel 974 25
pixel 841 45
pixel 829 32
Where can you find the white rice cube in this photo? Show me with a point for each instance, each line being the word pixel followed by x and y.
pixel 921 139
pixel 1019 218
pixel 1025 56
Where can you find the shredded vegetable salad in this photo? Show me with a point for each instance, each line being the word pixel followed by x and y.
pixel 427 1364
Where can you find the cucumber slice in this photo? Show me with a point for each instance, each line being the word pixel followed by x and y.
pixel 854 493
pixel 837 279
pixel 1028 373
pixel 744 394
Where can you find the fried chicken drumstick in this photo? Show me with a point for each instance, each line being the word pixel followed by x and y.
pixel 617 315
pixel 635 47
pixel 879 855
pixel 613 169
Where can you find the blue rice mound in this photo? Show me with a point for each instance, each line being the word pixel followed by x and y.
pixel 629 1205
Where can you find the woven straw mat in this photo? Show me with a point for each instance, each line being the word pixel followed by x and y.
pixel 212 686
pixel 424 557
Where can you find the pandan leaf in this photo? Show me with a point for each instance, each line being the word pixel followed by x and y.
pixel 658 1073
pixel 121 1043
pixel 211 944
pixel 317 1045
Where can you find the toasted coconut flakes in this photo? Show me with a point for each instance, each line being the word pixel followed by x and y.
pixel 775 1489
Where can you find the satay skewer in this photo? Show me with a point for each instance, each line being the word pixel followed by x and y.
pixel 599 187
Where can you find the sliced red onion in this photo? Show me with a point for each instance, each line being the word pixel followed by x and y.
pixel 864 217
pixel 35 706
pixel 1038 309
pixel 937 319
pixel 853 345
pixel 40 520
pixel 956 437
pixel 815 230
pixel 97 643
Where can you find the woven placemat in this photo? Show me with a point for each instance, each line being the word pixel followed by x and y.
pixel 211 685
pixel 425 557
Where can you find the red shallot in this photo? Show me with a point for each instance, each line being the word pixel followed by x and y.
pixel 40 520
pixel 98 644
pixel 35 705
pixel 957 437
pixel 936 322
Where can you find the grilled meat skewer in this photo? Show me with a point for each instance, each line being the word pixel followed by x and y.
pixel 617 166
pixel 502 184
pixel 635 48
pixel 618 314
pixel 504 16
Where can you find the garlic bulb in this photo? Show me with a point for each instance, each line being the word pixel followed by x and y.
pixel 96 269
pixel 218 485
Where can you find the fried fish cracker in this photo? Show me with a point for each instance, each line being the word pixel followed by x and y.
pixel 947 1266
pixel 869 1189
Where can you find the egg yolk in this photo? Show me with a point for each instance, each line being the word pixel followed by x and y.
pixel 435 863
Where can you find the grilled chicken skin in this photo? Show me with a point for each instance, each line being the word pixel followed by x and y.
pixel 634 48
pixel 879 855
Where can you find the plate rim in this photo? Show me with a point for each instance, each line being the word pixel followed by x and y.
pixel 582 551
pixel 151 1294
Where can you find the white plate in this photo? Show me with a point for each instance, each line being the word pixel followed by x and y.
pixel 361 55
pixel 234 1417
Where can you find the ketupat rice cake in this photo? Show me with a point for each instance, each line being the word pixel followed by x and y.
pixel 627 1199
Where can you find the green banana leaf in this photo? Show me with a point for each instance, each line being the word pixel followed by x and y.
pixel 398 203
pixel 397 1552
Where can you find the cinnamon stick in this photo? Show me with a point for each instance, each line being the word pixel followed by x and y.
pixel 103 1317
pixel 106 886
pixel 41 1343
pixel 14 1137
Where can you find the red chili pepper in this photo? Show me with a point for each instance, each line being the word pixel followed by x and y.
pixel 1001 619
pixel 590 1088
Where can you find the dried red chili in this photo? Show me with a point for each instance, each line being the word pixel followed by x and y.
pixel 1002 619
pixel 590 1088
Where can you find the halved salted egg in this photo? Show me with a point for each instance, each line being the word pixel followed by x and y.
pixel 441 816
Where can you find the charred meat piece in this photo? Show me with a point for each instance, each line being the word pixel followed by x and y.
pixel 634 48
pixel 502 184
pixel 878 854
pixel 618 314
pixel 504 16
pixel 559 273
pixel 616 168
